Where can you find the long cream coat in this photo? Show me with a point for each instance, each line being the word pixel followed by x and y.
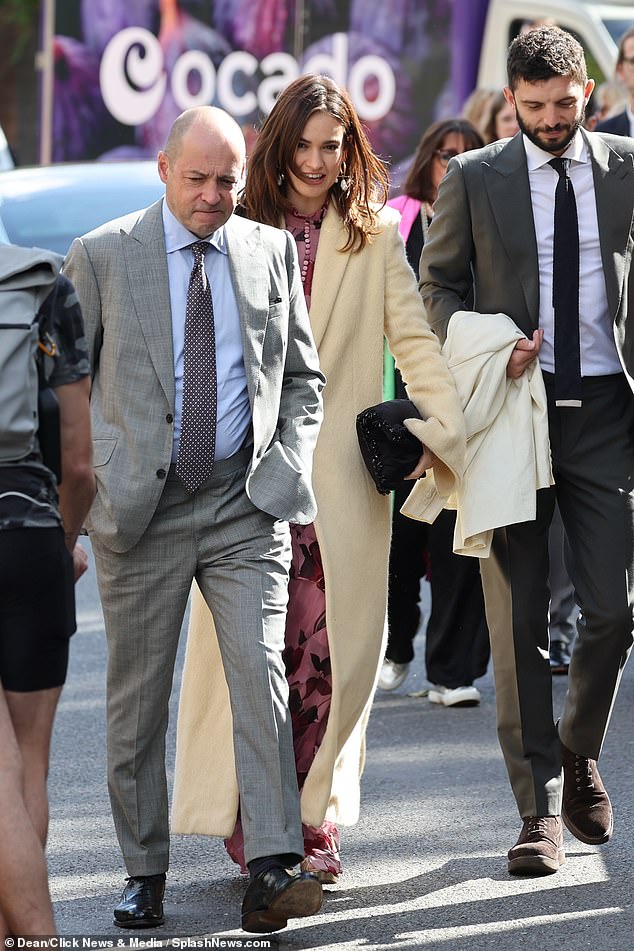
pixel 356 299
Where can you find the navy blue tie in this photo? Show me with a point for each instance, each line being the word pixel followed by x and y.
pixel 566 290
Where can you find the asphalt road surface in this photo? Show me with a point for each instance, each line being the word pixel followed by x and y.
pixel 425 866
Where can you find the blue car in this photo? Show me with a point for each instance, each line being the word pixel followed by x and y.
pixel 47 206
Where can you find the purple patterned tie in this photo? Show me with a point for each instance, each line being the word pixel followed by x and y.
pixel 198 426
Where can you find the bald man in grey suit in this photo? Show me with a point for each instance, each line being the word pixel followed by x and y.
pixel 153 531
pixel 493 229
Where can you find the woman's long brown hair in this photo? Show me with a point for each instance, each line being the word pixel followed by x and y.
pixel 263 199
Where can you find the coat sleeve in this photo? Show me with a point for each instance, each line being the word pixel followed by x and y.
pixel 416 351
pixel 445 264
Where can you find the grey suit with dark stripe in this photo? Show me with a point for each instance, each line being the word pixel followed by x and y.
pixel 483 232
pixel 151 539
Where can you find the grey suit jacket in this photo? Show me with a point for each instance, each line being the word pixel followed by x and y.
pixel 482 236
pixel 120 274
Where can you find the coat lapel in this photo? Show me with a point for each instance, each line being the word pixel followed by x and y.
pixel 146 263
pixel 506 181
pixel 330 267
pixel 614 194
pixel 250 275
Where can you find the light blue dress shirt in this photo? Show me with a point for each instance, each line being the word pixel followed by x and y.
pixel 234 409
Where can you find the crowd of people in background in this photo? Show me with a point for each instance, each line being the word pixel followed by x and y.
pixel 232 332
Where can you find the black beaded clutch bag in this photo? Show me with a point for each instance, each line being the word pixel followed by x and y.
pixel 389 450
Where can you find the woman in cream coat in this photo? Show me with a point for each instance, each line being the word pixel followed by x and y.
pixel 312 171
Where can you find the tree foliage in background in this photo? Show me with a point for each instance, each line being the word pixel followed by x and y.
pixel 23 16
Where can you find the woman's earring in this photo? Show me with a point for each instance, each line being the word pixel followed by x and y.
pixel 280 179
pixel 344 185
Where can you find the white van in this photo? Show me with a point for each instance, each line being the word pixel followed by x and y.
pixel 598 27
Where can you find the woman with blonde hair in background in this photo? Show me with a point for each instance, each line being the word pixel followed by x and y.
pixel 313 172
pixel 476 104
pixel 498 119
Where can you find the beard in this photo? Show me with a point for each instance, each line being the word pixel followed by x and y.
pixel 554 146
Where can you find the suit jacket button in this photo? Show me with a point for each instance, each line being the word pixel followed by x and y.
pixel 169 418
pixel 161 473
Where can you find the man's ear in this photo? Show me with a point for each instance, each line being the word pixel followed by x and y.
pixel 162 163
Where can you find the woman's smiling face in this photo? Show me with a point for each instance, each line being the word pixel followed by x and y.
pixel 318 161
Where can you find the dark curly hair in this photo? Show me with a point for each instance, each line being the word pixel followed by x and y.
pixel 544 53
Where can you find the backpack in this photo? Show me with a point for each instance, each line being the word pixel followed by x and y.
pixel 27 276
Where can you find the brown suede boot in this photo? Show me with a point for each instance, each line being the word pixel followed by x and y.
pixel 540 847
pixel 586 807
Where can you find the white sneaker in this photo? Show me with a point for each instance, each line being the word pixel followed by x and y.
pixel 454 697
pixel 392 675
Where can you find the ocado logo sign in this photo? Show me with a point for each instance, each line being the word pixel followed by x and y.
pixel 133 79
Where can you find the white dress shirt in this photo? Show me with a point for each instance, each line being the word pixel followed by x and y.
pixel 234 409
pixel 598 349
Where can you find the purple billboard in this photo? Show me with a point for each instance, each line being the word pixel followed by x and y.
pixel 124 69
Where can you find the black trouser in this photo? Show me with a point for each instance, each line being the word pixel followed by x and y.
pixel 563 608
pixel 457 639
pixel 593 463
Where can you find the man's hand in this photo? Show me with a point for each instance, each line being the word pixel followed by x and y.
pixel 80 561
pixel 523 355
pixel 426 461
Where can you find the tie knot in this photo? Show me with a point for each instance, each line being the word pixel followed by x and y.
pixel 560 165
pixel 199 248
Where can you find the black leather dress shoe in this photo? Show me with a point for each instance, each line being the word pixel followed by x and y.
pixel 559 657
pixel 277 895
pixel 141 904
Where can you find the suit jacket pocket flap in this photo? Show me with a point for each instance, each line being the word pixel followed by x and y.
pixel 102 449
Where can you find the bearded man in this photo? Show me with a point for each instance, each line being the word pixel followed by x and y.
pixel 541 227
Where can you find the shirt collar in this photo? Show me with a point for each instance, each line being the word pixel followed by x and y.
pixel 577 151
pixel 178 237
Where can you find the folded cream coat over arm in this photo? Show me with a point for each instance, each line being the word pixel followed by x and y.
pixel 503 467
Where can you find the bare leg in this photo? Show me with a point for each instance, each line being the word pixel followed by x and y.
pixel 25 730
pixel 32 715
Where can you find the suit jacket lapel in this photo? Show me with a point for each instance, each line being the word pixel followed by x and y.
pixel 614 193
pixel 330 267
pixel 507 185
pixel 146 264
pixel 250 274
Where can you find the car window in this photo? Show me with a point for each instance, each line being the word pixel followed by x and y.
pixel 53 219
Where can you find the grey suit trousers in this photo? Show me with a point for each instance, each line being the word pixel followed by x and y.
pixel 240 558
pixel 593 463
